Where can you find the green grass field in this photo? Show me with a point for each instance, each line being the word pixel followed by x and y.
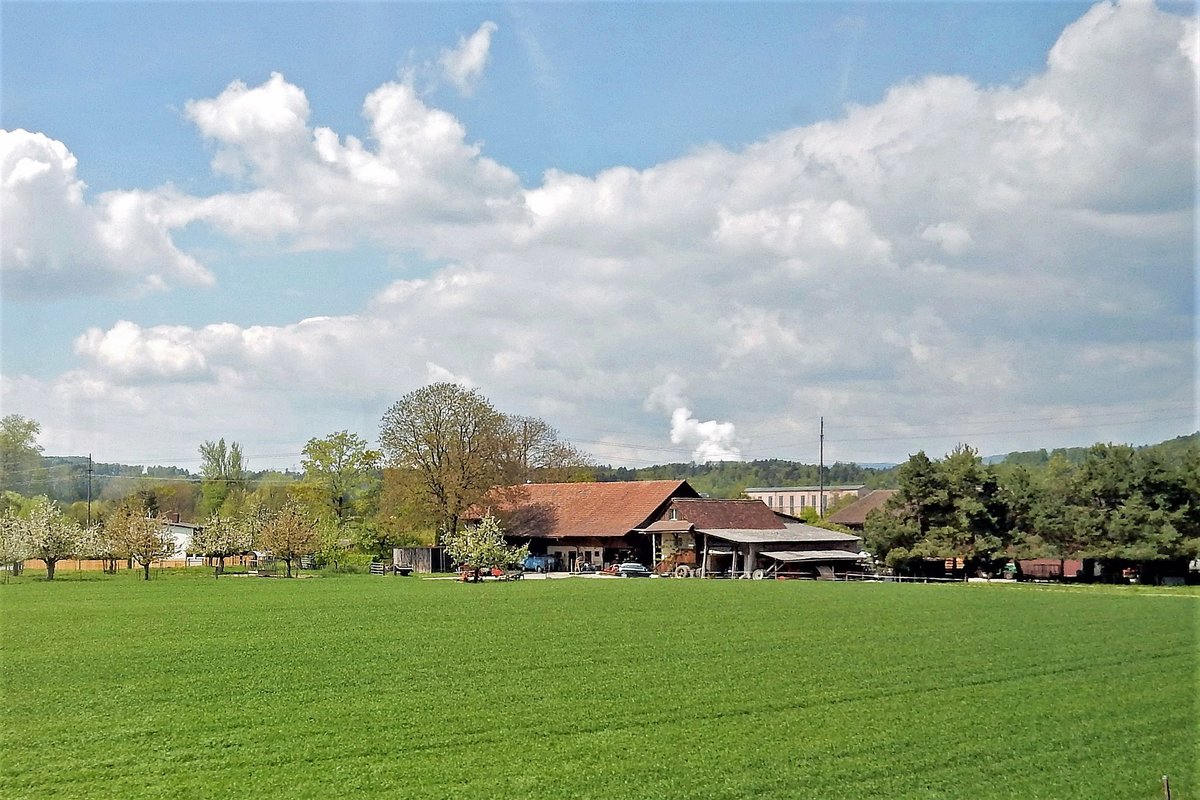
pixel 357 686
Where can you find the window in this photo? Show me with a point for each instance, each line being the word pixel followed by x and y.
pixel 673 514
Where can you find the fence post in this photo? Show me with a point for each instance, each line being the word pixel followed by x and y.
pixel 1166 788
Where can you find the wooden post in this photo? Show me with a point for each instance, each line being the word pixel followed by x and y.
pixel 1166 788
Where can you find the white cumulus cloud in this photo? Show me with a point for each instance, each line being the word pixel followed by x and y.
pixel 57 241
pixel 464 64
pixel 952 252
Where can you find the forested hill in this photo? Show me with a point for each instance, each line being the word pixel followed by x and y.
pixel 730 478
pixel 1169 450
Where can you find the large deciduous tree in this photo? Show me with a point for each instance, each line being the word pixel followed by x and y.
pixel 20 454
pixel 345 469
pixel 534 451
pixel 454 442
pixel 223 477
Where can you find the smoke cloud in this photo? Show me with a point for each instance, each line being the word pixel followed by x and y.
pixel 710 440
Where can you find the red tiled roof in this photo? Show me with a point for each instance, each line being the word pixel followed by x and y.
pixel 557 510
pixel 856 512
pixel 728 514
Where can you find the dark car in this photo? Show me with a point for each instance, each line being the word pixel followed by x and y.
pixel 632 569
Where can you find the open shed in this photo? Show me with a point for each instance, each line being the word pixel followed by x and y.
pixel 810 563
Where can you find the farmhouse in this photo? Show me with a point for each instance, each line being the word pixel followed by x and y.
pixel 578 523
pixel 665 525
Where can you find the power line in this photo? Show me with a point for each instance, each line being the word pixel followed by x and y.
pixel 758 448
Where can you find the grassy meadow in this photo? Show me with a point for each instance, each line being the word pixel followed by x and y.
pixel 186 687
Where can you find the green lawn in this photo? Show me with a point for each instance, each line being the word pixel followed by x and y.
pixel 359 686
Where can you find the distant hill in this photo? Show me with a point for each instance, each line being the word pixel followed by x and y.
pixel 730 478
pixel 1170 449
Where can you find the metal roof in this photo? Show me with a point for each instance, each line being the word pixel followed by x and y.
pixel 794 556
pixel 794 532
pixel 668 526
pixel 811 533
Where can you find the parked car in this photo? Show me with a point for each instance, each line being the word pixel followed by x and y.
pixel 539 563
pixel 632 569
pixel 586 567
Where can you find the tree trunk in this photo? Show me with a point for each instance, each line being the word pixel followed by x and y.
pixel 288 564
pixel 146 571
pixel 50 569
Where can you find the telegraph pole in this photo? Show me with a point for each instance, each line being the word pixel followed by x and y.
pixel 821 475
pixel 89 474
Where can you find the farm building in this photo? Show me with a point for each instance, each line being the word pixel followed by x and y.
pixel 665 525
pixel 794 499
pixel 578 523
pixel 422 559
pixel 740 537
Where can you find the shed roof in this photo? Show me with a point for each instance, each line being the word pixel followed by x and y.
pixel 568 510
pixel 794 533
pixel 669 526
pixel 856 513
pixel 795 556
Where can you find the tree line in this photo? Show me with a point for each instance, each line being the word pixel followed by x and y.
pixel 442 448
pixel 1115 502
pixel 38 529
pixel 729 479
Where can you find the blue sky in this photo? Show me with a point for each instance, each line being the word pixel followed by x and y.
pixel 631 174
pixel 610 84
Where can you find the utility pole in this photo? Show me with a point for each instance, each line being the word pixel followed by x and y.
pixel 525 451
pixel 89 474
pixel 821 475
